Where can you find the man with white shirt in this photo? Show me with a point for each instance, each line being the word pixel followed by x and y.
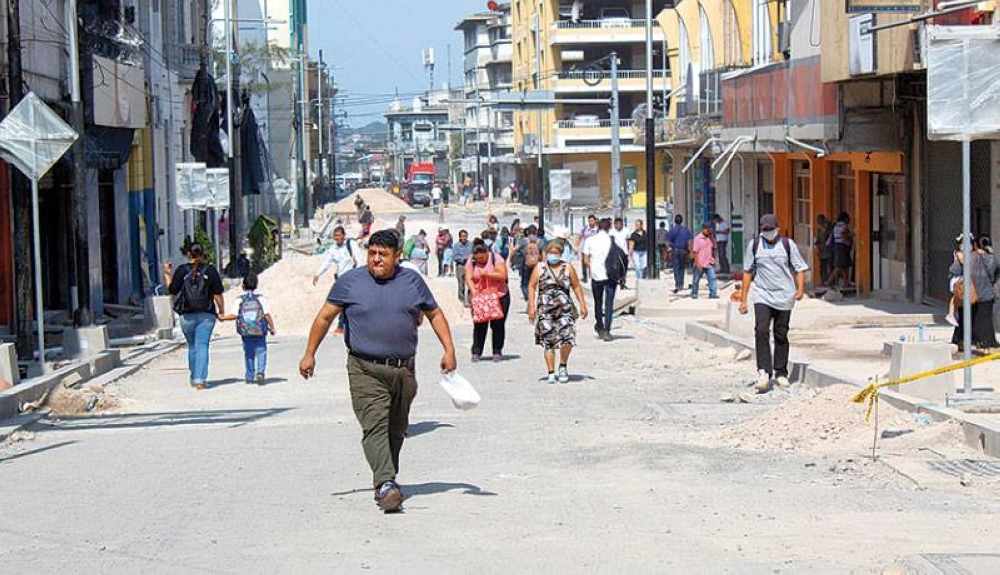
pixel 595 256
pixel 339 254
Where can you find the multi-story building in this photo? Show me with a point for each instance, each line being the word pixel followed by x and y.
pixel 488 132
pixel 564 48
pixel 420 132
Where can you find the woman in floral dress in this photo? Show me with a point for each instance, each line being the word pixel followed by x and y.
pixel 551 307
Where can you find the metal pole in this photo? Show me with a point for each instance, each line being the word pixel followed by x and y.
pixel 489 153
pixel 80 255
pixel 650 145
pixel 541 165
pixel 967 262
pixel 617 194
pixel 306 200
pixel 319 87
pixel 39 303
pixel 234 180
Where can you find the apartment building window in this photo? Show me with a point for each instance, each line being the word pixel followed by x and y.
pixel 763 33
pixel 731 32
pixel 765 187
pixel 707 46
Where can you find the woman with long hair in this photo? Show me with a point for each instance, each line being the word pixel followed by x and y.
pixel 486 270
pixel 197 290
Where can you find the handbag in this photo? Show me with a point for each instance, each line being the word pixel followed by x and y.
pixel 486 305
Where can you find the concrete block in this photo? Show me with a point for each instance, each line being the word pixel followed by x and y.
pixel 8 364
pixel 159 313
pixel 738 324
pixel 105 361
pixel 167 333
pixel 910 358
pixel 84 342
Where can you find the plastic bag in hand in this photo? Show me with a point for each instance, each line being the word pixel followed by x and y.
pixel 463 395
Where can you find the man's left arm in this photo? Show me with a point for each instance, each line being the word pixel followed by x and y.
pixel 439 323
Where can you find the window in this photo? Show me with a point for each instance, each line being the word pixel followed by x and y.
pixel 843 183
pixel 801 189
pixel 763 35
pixel 765 187
pixel 733 43
pixel 707 46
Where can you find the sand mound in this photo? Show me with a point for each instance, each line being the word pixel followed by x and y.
pixel 381 201
pixel 823 420
pixel 65 401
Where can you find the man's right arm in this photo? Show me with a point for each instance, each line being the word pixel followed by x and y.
pixel 320 327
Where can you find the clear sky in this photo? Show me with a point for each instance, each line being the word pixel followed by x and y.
pixel 375 46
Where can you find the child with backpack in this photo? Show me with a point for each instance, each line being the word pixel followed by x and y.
pixel 253 324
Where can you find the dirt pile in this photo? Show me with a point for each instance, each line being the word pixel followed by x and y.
pixel 820 420
pixel 69 401
pixel 381 201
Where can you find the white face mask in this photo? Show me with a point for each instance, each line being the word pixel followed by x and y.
pixel 770 235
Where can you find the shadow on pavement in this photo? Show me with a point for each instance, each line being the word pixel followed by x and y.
pixel 35 451
pixel 423 427
pixel 222 382
pixel 436 487
pixel 232 417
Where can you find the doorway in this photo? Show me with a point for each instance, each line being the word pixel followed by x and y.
pixel 109 234
pixel 890 249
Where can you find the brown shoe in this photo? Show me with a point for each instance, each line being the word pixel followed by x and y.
pixel 390 499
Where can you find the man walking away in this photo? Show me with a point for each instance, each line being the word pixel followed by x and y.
pixel 460 253
pixel 588 232
pixel 679 239
pixel 341 255
pixel 384 304
pixel 595 255
pixel 778 274
pixel 662 246
pixel 722 230
pixel 620 235
pixel 704 263
pixel 825 251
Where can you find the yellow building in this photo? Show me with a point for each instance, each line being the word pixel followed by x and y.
pixel 562 47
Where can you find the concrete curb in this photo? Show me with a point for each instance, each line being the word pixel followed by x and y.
pixel 980 433
pixel 101 370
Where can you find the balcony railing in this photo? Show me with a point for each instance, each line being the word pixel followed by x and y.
pixel 606 74
pixel 614 24
pixel 577 124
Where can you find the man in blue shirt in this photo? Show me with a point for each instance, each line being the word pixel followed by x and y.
pixel 679 241
pixel 384 304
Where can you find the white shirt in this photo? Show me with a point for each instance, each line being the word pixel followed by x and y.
pixel 597 248
pixel 722 231
pixel 436 193
pixel 345 257
pixel 621 238
pixel 235 304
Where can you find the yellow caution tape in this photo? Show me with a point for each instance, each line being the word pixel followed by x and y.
pixel 871 392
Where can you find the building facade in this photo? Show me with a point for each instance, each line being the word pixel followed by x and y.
pixel 420 132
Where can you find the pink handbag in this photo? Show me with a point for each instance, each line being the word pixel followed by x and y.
pixel 486 305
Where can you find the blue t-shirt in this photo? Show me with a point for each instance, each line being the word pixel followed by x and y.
pixel 679 237
pixel 382 315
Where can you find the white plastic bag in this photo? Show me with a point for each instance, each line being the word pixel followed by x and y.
pixel 463 395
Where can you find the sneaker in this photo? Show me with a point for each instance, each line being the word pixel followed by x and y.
pixel 389 497
pixel 551 378
pixel 476 357
pixel 497 357
pixel 676 291
pixel 563 374
pixel 782 382
pixel 950 318
pixel 606 336
pixel 713 297
pixel 763 384
pixel 694 296
pixel 260 379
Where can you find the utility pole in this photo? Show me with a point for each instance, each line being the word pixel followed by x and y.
pixel 652 269
pixel 20 192
pixel 306 201
pixel 616 142
pixel 80 252
pixel 235 171
pixel 333 143
pixel 319 87
pixel 541 170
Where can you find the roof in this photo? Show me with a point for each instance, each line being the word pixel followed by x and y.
pixel 475 19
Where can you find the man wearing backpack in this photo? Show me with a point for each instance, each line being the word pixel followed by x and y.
pixel 253 323
pixel 197 290
pixel 341 255
pixel 532 248
pixel 777 272
pixel 608 264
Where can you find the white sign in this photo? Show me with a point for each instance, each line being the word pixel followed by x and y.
pixel 561 185
pixel 862 45
pixel 963 89
pixel 192 187
pixel 33 137
pixel 218 188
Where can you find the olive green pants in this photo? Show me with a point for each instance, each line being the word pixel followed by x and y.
pixel 381 397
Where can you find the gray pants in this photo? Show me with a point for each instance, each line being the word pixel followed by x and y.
pixel 723 257
pixel 463 295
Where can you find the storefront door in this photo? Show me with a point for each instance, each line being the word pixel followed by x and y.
pixel 891 227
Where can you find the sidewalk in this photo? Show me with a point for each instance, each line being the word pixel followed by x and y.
pixel 833 342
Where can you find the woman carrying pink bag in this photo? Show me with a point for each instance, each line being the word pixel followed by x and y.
pixel 486 278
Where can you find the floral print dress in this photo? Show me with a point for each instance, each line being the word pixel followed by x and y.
pixel 556 325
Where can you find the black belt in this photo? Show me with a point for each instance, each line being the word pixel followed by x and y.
pixel 461 262
pixel 388 361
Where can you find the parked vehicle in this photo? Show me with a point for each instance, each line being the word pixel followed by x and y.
pixel 419 195
pixel 586 120
pixel 615 18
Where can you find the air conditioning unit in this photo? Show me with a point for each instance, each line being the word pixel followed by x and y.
pixel 785 37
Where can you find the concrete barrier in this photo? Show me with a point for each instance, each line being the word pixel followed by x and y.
pixel 84 342
pixel 159 313
pixel 8 364
pixel 909 358
pixel 738 324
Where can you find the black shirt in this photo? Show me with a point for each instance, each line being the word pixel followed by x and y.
pixel 212 279
pixel 638 240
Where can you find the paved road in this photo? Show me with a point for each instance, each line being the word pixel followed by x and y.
pixel 596 476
